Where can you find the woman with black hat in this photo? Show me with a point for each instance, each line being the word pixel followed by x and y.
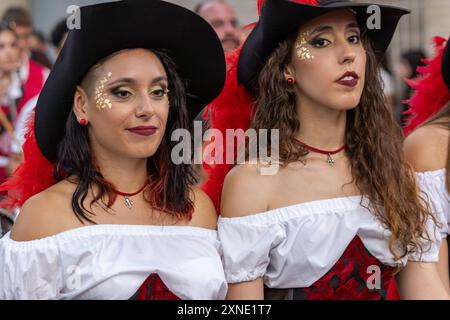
pixel 120 220
pixel 342 213
pixel 427 146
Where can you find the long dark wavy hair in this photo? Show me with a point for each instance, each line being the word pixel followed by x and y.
pixel 374 141
pixel 170 184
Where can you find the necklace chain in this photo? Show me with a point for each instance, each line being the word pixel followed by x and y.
pixel 330 160
pixel 128 202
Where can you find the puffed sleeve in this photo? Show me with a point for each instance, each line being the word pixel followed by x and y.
pixel 247 243
pixel 431 245
pixel 434 191
pixel 432 185
pixel 29 270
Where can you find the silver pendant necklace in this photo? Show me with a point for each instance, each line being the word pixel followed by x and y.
pixel 331 162
pixel 127 196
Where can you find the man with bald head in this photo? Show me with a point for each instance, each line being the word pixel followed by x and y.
pixel 222 17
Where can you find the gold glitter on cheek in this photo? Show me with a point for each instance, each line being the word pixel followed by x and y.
pixel 168 96
pixel 101 99
pixel 301 47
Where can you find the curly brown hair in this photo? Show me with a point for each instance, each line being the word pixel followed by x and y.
pixel 374 147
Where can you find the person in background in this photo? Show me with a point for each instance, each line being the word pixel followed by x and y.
pixel 410 61
pixel 58 36
pixel 222 17
pixel 10 92
pixel 427 146
pixel 32 74
pixel 40 49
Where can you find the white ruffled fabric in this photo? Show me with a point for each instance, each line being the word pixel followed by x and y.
pixel 432 183
pixel 293 247
pixel 112 262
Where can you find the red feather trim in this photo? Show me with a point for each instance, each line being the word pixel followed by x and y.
pixel 231 110
pixel 431 91
pixel 34 175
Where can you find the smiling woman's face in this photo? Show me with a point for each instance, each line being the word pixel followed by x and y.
pixel 328 61
pixel 126 102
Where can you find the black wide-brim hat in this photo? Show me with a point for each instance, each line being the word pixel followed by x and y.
pixel 281 17
pixel 446 64
pixel 110 27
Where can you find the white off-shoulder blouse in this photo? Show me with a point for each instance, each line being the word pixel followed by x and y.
pixel 432 183
pixel 112 262
pixel 295 246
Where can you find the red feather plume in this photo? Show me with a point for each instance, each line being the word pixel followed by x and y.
pixel 34 175
pixel 231 110
pixel 431 91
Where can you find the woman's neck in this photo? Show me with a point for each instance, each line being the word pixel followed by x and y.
pixel 322 127
pixel 127 175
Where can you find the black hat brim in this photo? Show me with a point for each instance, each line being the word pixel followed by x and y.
pixel 281 17
pixel 446 64
pixel 110 27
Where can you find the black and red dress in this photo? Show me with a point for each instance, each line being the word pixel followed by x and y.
pixel 327 249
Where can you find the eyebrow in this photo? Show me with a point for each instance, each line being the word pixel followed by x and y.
pixel 132 81
pixel 327 28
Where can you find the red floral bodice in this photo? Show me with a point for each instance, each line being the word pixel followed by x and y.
pixel 351 278
pixel 154 289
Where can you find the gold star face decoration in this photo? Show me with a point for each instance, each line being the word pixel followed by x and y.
pixel 301 47
pixel 101 100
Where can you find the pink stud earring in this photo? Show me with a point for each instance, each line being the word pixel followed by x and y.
pixel 84 122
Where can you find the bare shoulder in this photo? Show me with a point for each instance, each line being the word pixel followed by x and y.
pixel 245 191
pixel 426 148
pixel 45 214
pixel 205 215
